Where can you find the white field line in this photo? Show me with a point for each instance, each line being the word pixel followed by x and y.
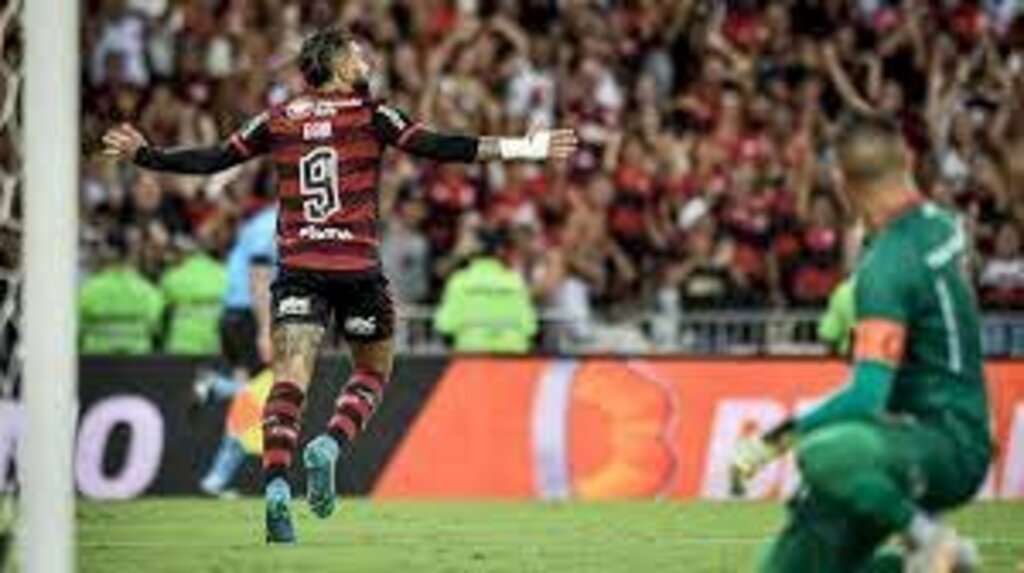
pixel 726 541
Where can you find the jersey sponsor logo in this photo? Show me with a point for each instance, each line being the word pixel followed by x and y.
pixel 316 233
pixel 294 306
pixel 394 117
pixel 361 325
pixel 299 108
pixel 317 130
pixel 329 108
pixel 880 340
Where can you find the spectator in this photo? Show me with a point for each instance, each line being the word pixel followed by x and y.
pixel 119 52
pixel 707 277
pixel 594 256
pixel 813 262
pixel 120 311
pixel 673 104
pixel 149 203
pixel 487 307
pixel 405 252
pixel 1002 275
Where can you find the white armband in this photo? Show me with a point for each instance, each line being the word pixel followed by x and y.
pixel 534 147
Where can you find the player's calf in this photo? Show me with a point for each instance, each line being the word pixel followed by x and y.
pixel 280 436
pixel 281 419
pixel 356 404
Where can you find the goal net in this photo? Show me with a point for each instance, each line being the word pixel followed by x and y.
pixel 10 197
pixel 10 236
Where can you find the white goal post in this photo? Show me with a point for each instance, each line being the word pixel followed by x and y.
pixel 50 106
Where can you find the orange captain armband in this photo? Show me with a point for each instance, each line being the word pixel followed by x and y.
pixel 880 340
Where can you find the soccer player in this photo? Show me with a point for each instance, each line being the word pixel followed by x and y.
pixel 907 438
pixel 326 145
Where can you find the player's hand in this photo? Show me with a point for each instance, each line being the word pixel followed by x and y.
pixel 557 143
pixel 751 456
pixel 123 142
pixel 562 143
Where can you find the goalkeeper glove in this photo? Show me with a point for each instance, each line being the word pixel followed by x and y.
pixel 754 453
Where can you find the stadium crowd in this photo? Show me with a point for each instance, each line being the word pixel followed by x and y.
pixel 704 179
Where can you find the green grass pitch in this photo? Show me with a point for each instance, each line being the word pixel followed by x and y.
pixel 204 535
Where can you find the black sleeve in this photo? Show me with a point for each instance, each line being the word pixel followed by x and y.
pixel 190 160
pixel 251 140
pixel 395 128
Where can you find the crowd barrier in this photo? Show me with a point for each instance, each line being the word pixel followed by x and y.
pixel 750 332
pixel 519 428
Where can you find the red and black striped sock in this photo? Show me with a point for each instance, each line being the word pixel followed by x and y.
pixel 356 404
pixel 282 416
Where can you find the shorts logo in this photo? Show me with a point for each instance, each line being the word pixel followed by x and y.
pixel 361 326
pixel 294 306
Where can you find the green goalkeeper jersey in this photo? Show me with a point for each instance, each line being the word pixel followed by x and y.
pixel 915 274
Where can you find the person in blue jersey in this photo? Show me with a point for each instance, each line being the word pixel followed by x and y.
pixel 244 334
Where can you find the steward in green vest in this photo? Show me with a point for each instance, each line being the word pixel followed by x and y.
pixel 120 310
pixel 194 289
pixel 487 306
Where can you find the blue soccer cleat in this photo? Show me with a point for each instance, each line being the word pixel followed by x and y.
pixel 279 518
pixel 319 458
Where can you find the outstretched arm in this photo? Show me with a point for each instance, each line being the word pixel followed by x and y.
pixel 395 128
pixel 127 143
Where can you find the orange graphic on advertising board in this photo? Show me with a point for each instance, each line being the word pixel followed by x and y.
pixel 620 434
pixel 607 428
pixel 472 438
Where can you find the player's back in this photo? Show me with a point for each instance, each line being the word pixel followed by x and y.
pixel 915 272
pixel 327 152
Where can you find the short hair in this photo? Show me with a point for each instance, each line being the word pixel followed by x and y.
pixel 493 241
pixel 319 54
pixel 869 148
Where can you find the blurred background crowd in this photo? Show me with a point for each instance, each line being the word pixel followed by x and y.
pixel 704 180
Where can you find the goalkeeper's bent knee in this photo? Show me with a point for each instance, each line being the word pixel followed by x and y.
pixel 835 453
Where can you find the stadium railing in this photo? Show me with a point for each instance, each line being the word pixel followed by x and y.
pixel 698 333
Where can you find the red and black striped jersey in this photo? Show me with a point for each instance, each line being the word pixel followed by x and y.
pixel 326 149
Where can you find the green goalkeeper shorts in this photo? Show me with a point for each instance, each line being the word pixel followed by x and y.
pixel 857 477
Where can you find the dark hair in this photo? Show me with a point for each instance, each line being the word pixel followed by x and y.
pixel 319 54
pixel 493 241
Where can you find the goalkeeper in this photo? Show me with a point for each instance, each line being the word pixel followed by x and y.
pixel 908 437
